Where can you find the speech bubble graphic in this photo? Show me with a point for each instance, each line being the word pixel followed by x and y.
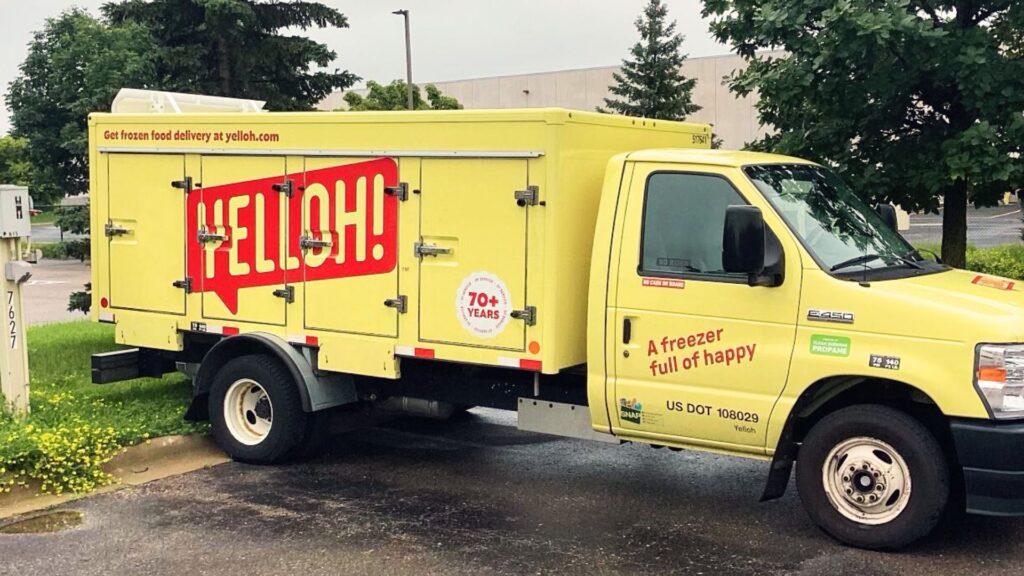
pixel 344 205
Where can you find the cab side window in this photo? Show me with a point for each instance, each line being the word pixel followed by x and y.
pixel 684 218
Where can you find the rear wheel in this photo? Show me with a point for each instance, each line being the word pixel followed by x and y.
pixel 873 477
pixel 255 411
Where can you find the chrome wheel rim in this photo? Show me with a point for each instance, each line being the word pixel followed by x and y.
pixel 248 412
pixel 866 480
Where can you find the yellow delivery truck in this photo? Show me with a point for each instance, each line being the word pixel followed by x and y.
pixel 606 277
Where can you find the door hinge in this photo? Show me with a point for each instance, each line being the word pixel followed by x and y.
pixel 400 303
pixel 185 184
pixel 527 315
pixel 203 236
pixel 288 293
pixel 109 230
pixel 528 197
pixel 421 249
pixel 287 187
pixel 401 191
pixel 307 242
pixel 185 284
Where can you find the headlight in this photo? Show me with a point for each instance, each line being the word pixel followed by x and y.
pixel 1000 378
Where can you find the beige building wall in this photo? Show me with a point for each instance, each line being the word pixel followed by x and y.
pixel 734 119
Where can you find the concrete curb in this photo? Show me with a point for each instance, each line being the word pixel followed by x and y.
pixel 155 459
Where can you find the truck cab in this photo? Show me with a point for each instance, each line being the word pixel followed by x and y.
pixel 752 304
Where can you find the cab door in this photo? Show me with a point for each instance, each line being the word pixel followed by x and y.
pixel 146 232
pixel 700 356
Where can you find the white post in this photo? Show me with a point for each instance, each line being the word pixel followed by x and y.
pixel 14 225
pixel 14 357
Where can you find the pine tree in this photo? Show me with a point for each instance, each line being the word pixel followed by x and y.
pixel 651 84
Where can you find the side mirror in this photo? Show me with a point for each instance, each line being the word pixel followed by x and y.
pixel 888 214
pixel 743 241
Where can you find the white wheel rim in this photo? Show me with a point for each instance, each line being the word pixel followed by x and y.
pixel 866 480
pixel 248 412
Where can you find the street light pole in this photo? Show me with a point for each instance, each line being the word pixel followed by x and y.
pixel 408 57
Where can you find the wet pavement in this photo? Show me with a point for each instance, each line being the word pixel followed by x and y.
pixel 475 496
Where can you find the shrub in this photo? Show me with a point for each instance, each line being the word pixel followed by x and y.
pixel 1006 261
pixel 69 249
pixel 75 427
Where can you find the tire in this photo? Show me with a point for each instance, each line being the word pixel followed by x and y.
pixel 911 490
pixel 266 424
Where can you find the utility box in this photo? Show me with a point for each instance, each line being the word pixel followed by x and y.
pixel 15 211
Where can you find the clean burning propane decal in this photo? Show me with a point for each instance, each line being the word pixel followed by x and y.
pixel 344 205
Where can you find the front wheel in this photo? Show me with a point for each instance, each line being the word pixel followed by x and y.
pixel 873 477
pixel 256 413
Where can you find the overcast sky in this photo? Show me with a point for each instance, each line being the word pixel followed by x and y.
pixel 451 39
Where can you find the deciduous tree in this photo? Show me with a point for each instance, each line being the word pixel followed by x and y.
pixel 393 97
pixel 75 66
pixel 912 101
pixel 14 165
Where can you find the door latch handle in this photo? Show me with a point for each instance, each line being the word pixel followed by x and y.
pixel 288 293
pixel 422 249
pixel 627 330
pixel 400 303
pixel 307 242
pixel 528 315
pixel 110 230
pixel 287 188
pixel 203 236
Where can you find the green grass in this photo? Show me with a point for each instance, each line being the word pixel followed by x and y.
pixel 45 217
pixel 75 426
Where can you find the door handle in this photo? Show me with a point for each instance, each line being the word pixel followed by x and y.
pixel 627 330
pixel 109 230
pixel 307 243
pixel 422 250
pixel 203 236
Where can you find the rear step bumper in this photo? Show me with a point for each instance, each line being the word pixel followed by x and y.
pixel 127 364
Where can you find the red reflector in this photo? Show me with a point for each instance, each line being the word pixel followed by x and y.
pixel 229 331
pixel 424 352
pixel 530 365
pixel 103 302
pixel 312 341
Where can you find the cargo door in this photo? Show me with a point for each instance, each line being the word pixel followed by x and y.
pixel 146 232
pixel 473 252
pixel 240 232
pixel 349 245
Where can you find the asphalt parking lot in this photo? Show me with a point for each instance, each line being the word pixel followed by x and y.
pixel 475 496
pixel 986 227
pixel 44 297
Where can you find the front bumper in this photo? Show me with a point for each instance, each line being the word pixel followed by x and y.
pixel 992 456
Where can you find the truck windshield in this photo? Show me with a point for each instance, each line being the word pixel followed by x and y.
pixel 843 233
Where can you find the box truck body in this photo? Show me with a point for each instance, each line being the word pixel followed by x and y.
pixel 462 237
